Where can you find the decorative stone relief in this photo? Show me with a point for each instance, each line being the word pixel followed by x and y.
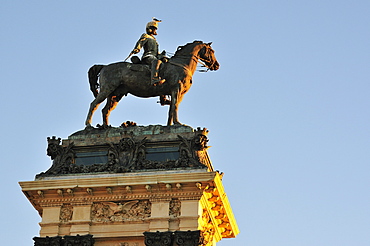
pixel 200 141
pixel 63 157
pixel 188 156
pixel 120 211
pixel 207 229
pixel 124 155
pixel 66 212
pixel 127 155
pixel 175 208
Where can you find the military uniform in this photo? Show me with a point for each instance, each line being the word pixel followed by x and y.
pixel 151 55
pixel 150 46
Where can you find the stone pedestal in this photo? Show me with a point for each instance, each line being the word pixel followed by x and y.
pixel 145 196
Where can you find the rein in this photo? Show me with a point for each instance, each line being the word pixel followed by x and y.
pixel 193 57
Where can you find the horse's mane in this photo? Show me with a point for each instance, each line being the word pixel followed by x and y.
pixel 181 49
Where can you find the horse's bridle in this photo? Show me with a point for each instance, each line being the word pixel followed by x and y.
pixel 204 61
pixel 197 58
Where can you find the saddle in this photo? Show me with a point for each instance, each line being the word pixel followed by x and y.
pixel 138 66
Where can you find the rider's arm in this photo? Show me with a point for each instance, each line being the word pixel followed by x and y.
pixel 140 43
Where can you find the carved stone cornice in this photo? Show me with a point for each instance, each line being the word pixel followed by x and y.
pixel 160 199
pixel 84 190
pixel 103 199
pixel 88 200
pixel 217 211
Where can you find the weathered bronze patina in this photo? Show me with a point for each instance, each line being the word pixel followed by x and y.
pixel 118 79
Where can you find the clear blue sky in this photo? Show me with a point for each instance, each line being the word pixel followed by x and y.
pixel 288 111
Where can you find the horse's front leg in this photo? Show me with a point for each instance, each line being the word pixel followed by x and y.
pixel 171 110
pixel 175 102
pixel 175 113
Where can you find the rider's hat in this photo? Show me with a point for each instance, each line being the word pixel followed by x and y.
pixel 153 23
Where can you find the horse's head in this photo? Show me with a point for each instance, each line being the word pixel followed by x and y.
pixel 201 51
pixel 207 55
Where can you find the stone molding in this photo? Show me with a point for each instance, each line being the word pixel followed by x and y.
pixel 177 192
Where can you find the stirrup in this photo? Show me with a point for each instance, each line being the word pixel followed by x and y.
pixel 164 101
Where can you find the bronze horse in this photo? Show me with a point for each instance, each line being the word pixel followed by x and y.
pixel 118 79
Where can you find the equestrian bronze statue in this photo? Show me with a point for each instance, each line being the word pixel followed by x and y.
pixel 118 79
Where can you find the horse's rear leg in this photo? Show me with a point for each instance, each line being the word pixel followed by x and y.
pixel 93 106
pixel 111 104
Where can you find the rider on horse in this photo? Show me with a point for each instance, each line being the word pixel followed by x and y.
pixel 151 55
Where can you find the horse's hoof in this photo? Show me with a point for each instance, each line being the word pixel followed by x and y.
pixel 88 127
pixel 103 127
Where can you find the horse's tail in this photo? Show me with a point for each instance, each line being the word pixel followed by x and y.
pixel 93 78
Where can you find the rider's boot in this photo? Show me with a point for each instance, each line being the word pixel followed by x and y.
pixel 155 73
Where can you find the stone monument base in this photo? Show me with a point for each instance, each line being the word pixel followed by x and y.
pixel 134 186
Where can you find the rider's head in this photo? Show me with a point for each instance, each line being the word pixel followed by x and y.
pixel 151 30
pixel 152 26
